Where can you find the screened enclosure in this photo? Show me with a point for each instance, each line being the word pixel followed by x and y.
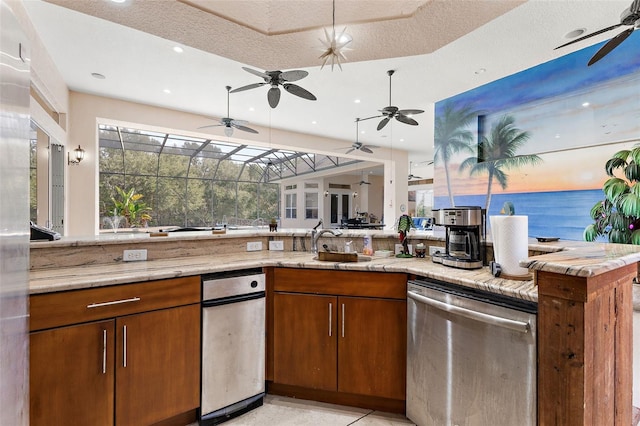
pixel 186 181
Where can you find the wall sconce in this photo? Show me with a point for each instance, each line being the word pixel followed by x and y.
pixel 326 193
pixel 355 194
pixel 78 155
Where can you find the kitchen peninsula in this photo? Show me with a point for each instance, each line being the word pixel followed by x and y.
pixel 583 291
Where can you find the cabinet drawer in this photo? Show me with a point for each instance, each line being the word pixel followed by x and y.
pixel 71 307
pixel 341 283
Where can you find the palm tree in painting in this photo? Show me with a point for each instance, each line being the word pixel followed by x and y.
pixel 498 153
pixel 451 136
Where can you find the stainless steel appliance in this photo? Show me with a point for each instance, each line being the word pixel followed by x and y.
pixel 233 344
pixel 465 237
pixel 471 357
pixel 14 213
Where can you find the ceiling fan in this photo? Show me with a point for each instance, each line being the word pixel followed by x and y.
pixel 630 17
pixel 389 112
pixel 278 78
pixel 229 123
pixel 359 146
pixel 411 175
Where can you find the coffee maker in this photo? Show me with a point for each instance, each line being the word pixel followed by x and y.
pixel 465 229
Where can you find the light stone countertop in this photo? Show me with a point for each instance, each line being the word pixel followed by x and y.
pixel 71 278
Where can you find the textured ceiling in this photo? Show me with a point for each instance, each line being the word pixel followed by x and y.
pixel 279 34
pixel 131 44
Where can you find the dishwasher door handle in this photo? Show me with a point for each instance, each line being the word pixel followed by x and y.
pixel 523 327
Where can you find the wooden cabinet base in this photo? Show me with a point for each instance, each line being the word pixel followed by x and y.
pixel 180 420
pixel 371 402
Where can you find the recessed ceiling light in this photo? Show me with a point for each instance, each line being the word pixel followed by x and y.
pixel 178 49
pixel 357 101
pixel 585 104
pixel 314 122
pixel 118 1
pixel 480 70
pixel 557 135
pixel 401 140
pixel 362 132
pixel 575 33
pixel 167 91
pixel 252 109
pixel 98 75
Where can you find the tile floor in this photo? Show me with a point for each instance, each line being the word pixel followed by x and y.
pixel 283 411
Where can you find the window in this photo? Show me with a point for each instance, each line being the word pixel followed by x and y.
pixel 310 205
pixel 290 209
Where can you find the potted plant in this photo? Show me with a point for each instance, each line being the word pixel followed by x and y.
pixel 129 204
pixel 617 217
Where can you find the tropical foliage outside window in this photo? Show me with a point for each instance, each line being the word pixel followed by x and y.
pixel 184 181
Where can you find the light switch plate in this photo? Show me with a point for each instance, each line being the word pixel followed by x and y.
pixel 276 245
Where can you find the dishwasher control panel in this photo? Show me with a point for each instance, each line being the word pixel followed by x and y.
pixel 218 288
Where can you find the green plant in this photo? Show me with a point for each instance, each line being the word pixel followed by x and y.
pixel 130 205
pixel 617 217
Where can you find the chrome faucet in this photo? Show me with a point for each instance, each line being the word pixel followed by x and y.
pixel 316 233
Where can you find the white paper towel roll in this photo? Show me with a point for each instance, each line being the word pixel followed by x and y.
pixel 510 236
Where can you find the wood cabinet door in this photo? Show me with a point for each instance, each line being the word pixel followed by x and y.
pixel 304 340
pixel 71 375
pixel 157 365
pixel 372 347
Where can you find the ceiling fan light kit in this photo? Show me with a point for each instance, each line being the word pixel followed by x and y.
pixel 275 79
pixel 629 17
pixel 229 123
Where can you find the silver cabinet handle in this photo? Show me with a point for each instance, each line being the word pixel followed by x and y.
pixel 124 346
pixel 104 351
pixel 330 318
pixel 523 327
pixel 343 320
pixel 115 302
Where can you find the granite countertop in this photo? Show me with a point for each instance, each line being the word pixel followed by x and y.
pixel 71 278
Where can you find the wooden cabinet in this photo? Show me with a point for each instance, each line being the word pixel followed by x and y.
pixel 341 333
pixel 71 375
pixel 138 367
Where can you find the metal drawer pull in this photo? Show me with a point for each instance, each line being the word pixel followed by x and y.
pixel 115 302
pixel 343 320
pixel 124 346
pixel 330 315
pixel 104 351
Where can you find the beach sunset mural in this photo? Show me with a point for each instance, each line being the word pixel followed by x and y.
pixel 573 118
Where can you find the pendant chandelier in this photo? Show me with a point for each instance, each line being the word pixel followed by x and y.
pixel 334 45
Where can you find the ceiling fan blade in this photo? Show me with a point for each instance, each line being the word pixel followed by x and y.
pixel 349 150
pixel 410 111
pixel 383 122
pixel 299 91
pixel 256 72
pixel 366 149
pixel 247 87
pixel 611 44
pixel 362 182
pixel 273 96
pixel 604 30
pixel 406 120
pixel 210 125
pixel 372 146
pixel 293 75
pixel 239 122
pixel 243 128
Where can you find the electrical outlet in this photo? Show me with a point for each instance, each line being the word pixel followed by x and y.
pixel 254 246
pixel 276 245
pixel 134 255
pixel 434 249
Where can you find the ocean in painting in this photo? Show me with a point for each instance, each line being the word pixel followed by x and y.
pixel 562 214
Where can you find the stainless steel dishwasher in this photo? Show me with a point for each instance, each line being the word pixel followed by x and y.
pixel 233 344
pixel 471 357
